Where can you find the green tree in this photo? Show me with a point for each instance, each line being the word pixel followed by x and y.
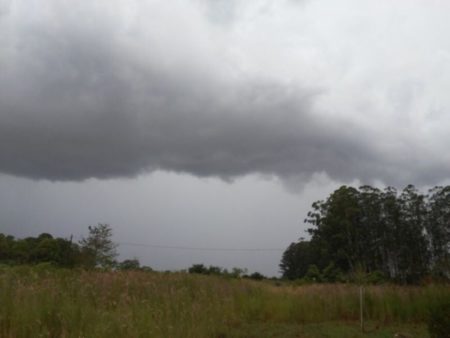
pixel 98 247
pixel 313 274
pixel 338 229
pixel 331 274
pixel 237 272
pixel 256 276
pixel 438 230
pixel 46 249
pixel 129 264
pixel 198 268
pixel 413 255
pixel 6 248
pixel 297 258
pixel 401 237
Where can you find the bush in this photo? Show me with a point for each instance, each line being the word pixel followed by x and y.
pixel 256 276
pixel 198 268
pixel 332 274
pixel 439 320
pixel 129 264
pixel 313 274
pixel 376 277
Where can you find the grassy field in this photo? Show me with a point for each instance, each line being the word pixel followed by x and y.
pixel 46 302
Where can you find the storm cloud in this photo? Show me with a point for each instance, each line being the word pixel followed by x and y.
pixel 104 89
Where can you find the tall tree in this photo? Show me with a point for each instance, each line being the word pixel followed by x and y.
pixel 403 235
pixel 98 246
pixel 438 229
pixel 373 230
pixel 338 228
pixel 297 258
pixel 412 242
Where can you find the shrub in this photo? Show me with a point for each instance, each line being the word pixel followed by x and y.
pixel 256 276
pixel 439 320
pixel 376 277
pixel 313 274
pixel 332 274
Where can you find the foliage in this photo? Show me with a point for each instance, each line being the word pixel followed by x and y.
pixel 439 319
pixel 331 274
pixel 99 246
pixel 95 250
pixel 400 237
pixel 256 276
pixel 237 272
pixel 296 259
pixel 199 269
pixel 129 264
pixel 217 271
pixel 313 274
pixel 33 250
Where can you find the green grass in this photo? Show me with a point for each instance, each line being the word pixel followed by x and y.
pixel 325 330
pixel 47 302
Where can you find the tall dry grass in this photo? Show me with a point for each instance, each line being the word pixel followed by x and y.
pixel 47 302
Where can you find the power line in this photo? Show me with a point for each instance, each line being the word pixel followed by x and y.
pixel 172 247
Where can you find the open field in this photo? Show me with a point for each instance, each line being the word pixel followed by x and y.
pixel 47 302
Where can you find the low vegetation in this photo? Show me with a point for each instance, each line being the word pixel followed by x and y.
pixel 43 301
pixel 395 245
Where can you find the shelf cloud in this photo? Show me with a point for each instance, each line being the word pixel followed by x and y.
pixel 104 89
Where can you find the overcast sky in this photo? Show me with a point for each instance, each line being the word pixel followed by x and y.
pixel 214 123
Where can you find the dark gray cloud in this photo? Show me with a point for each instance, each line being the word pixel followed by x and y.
pixel 100 93
pixel 310 94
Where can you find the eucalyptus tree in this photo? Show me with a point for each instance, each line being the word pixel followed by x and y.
pixel 399 235
pixel 438 230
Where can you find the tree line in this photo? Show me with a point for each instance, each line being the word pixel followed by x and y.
pixel 385 234
pixel 97 250
pixel 218 271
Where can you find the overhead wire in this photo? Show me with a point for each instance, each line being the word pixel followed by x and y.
pixel 187 248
